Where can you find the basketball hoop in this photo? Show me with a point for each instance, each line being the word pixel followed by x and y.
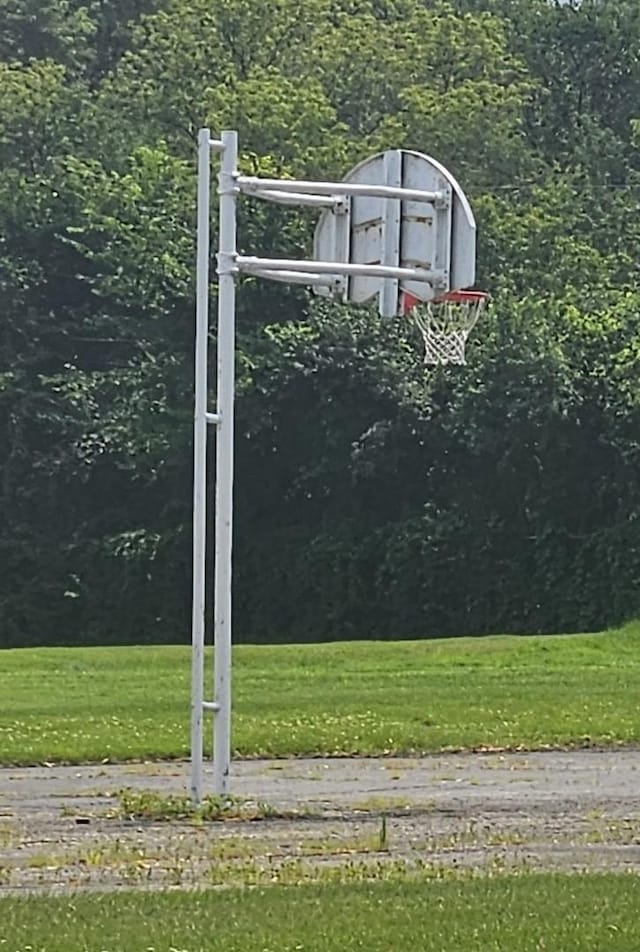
pixel 445 323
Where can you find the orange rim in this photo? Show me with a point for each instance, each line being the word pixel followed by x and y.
pixel 463 297
pixel 409 301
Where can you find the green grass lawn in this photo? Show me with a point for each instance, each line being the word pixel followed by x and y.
pixel 76 704
pixel 524 913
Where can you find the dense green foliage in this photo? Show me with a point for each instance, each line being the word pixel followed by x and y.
pixel 524 913
pixel 371 499
pixel 521 692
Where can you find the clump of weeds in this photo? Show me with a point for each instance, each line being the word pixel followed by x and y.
pixel 146 805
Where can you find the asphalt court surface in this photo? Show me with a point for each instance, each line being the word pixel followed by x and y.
pixel 63 827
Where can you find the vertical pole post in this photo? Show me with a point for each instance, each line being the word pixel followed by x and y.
pixel 224 465
pixel 200 465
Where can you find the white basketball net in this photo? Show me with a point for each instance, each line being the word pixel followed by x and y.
pixel 445 325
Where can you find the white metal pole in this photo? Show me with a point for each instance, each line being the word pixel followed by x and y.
pixel 224 466
pixel 251 265
pixel 200 466
pixel 252 185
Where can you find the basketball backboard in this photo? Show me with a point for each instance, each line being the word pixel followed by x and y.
pixel 439 235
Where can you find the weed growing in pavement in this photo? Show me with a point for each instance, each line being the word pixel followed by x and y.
pixel 148 805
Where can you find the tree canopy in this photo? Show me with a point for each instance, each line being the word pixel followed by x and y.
pixel 373 499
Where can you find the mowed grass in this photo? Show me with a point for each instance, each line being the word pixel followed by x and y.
pixel 90 704
pixel 510 914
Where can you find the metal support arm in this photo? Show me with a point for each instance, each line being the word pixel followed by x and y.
pixel 253 185
pixel 254 265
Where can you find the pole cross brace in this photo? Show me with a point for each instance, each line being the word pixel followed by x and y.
pixel 210 706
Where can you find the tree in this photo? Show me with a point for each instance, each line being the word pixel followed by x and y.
pixel 369 495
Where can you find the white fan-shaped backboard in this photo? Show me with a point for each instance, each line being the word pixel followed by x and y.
pixel 438 235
